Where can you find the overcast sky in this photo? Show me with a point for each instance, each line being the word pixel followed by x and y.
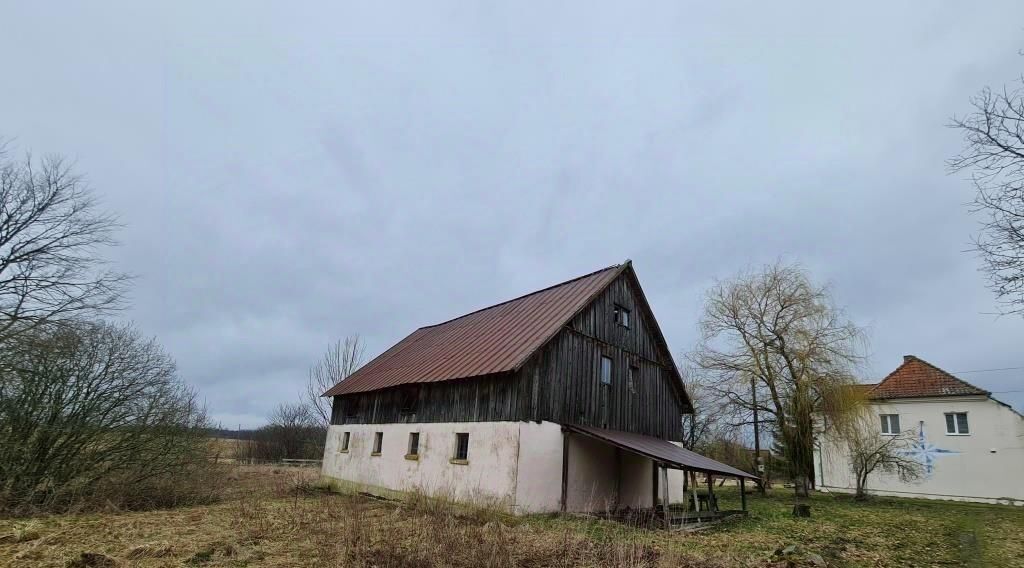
pixel 289 176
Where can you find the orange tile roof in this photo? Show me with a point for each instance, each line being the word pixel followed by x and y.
pixel 919 378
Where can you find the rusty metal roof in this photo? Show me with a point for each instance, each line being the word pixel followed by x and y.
pixel 491 340
pixel 660 450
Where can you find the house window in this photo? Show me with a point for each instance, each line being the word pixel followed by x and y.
pixel 345 437
pixel 890 424
pixel 621 316
pixel 956 424
pixel 414 444
pixel 378 440
pixel 461 447
pixel 634 374
pixel 606 370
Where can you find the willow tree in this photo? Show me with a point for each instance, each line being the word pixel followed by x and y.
pixel 775 341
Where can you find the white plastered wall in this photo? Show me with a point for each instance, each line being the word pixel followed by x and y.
pixel 517 465
pixel 987 465
pixel 489 476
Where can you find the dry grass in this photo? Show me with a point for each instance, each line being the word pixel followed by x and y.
pixel 277 517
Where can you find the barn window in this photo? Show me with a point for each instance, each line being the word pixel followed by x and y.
pixel 461 447
pixel 345 437
pixel 378 440
pixel 409 398
pixel 414 445
pixel 634 375
pixel 606 370
pixel 956 424
pixel 621 316
pixel 890 424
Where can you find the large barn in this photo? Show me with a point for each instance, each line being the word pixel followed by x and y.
pixel 566 399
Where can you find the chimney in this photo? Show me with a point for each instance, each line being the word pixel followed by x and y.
pixel 908 358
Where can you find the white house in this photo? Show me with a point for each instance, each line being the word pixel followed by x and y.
pixel 970 444
pixel 563 399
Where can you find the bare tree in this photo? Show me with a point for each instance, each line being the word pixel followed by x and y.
pixel 782 330
pixel 994 154
pixel 292 432
pixel 341 359
pixel 88 405
pixel 871 451
pixel 51 231
pixel 710 420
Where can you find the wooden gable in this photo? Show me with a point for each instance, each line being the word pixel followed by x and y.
pixel 645 394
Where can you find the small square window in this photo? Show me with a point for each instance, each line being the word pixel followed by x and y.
pixel 606 370
pixel 414 443
pixel 378 441
pixel 345 437
pixel 956 424
pixel 622 316
pixel 890 424
pixel 461 446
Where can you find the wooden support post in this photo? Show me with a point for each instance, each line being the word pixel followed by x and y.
pixel 686 507
pixel 664 506
pixel 565 470
pixel 618 477
pixel 711 494
pixel 654 485
pixel 693 487
pixel 743 493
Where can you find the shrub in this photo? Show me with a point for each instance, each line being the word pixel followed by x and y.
pixel 93 414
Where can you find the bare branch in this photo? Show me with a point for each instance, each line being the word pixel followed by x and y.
pixel 341 359
pixel 994 155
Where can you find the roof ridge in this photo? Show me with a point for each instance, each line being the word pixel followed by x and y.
pixel 570 281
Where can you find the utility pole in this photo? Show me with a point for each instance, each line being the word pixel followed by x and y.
pixel 758 462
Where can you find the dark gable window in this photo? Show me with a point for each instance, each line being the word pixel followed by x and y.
pixel 378 440
pixel 462 446
pixel 345 437
pixel 622 316
pixel 606 370
pixel 414 443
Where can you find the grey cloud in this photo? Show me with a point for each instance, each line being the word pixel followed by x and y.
pixel 292 175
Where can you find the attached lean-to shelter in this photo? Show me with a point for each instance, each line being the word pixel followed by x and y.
pixel 565 399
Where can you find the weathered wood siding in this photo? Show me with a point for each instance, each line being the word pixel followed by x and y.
pixel 481 399
pixel 561 383
pixel 568 371
pixel 569 386
pixel 597 321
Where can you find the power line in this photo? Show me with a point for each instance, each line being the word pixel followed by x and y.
pixel 988 370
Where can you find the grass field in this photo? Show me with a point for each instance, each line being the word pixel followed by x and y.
pixel 274 517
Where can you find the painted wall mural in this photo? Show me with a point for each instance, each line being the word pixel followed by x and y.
pixel 926 452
